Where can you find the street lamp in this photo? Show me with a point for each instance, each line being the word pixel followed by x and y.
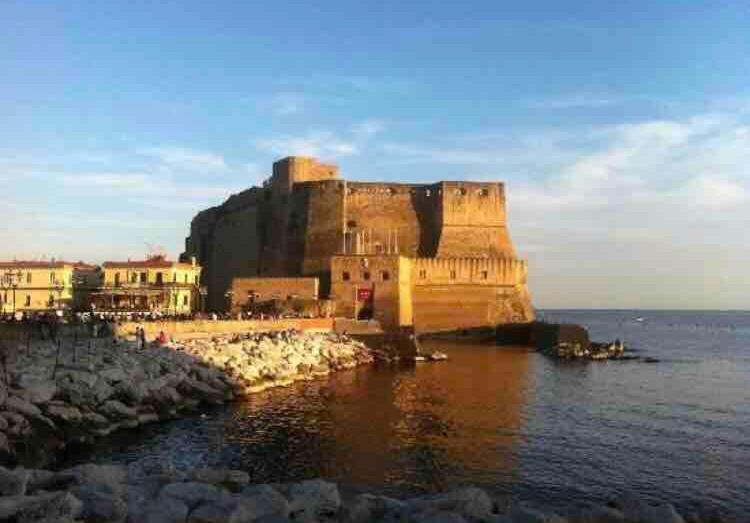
pixel 228 295
pixel 202 292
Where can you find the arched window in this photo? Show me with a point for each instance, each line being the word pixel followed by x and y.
pixel 346 276
pixel 385 275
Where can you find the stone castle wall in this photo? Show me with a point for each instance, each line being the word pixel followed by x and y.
pixel 304 215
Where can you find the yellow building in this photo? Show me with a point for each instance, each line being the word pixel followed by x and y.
pixel 153 285
pixel 39 286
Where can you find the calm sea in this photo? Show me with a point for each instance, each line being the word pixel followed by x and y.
pixel 514 422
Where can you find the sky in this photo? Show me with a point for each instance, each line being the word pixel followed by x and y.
pixel 622 129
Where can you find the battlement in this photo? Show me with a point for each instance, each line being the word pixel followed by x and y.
pixel 473 271
pixel 296 169
pixel 377 247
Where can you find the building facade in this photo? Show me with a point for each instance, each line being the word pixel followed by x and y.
pixel 45 286
pixel 434 256
pixel 152 285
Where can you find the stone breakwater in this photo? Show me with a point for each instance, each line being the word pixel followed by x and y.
pixel 151 492
pixel 52 395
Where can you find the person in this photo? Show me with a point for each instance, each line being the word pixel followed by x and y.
pixel 162 338
pixel 142 337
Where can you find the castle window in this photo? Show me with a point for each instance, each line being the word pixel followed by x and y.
pixel 352 224
pixel 28 300
pixel 378 248
pixel 484 192
pixel 52 278
pixel 28 277
pixel 133 277
pixel 422 274
pixel 385 275
pixel 186 278
pixel 346 276
pixel 366 275
pixel 185 300
pixel 484 275
pixel 460 192
pixel 117 279
pixel 144 277
pixel 453 275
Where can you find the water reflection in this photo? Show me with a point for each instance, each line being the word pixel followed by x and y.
pixel 420 429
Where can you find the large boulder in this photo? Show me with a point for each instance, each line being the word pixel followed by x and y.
pixel 309 500
pixel 35 389
pixel 13 482
pixel 523 514
pixel 101 502
pixel 471 503
pixel 191 493
pixel 52 506
pixel 598 514
pixel 260 500
pixel 368 507
pixel 233 480
pixel 167 510
pixel 116 410
pixel 62 412
pixel 636 511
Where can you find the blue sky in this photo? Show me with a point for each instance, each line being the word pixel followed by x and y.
pixel 621 128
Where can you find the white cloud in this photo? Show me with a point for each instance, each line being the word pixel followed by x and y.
pixel 285 104
pixel 367 129
pixel 319 144
pixel 184 158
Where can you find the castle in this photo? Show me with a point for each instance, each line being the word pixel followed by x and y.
pixel 437 257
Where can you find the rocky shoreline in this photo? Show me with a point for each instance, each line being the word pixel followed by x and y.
pixel 152 492
pixel 73 391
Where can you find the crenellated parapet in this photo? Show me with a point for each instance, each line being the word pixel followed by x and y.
pixel 305 221
pixel 470 271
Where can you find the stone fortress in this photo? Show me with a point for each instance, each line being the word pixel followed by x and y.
pixel 435 257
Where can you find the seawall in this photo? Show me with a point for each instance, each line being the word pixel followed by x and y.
pixel 198 328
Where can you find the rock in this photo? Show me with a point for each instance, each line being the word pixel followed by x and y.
pixel 167 510
pixel 116 410
pixel 233 480
pixel 471 503
pixel 16 404
pixel 521 514
pixel 53 506
pixel 214 513
pixel 635 511
pixel 36 390
pixel 437 516
pixel 29 410
pixel 5 451
pixel 368 507
pixel 13 482
pixel 100 502
pixel 311 499
pixel 62 412
pixel 46 480
pixel 191 493
pixel 113 375
pixel 261 500
pixel 598 514
pixel 3 423
pixel 110 476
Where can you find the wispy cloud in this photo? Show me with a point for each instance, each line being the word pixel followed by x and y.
pixel 323 144
pixel 285 103
pixel 185 158
pixel 585 101
pixel 367 129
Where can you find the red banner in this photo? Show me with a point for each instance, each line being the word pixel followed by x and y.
pixel 364 294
